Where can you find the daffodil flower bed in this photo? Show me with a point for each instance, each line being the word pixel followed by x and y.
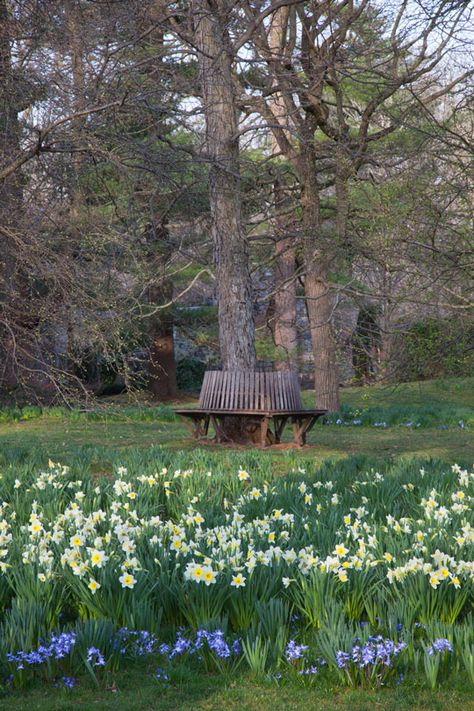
pixel 312 556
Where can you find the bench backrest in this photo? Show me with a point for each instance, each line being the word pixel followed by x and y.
pixel 242 390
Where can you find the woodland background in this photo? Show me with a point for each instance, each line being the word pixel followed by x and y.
pixel 240 184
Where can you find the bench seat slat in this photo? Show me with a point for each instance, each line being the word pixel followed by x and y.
pixel 251 391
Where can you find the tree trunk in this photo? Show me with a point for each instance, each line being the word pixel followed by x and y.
pixel 162 381
pixel 162 368
pixel 11 197
pixel 317 292
pixel 284 323
pixel 284 303
pixel 234 286
pixel 161 365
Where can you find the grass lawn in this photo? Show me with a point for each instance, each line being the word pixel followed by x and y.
pixel 439 405
pixel 210 693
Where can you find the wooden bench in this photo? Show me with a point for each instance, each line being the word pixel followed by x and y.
pixel 250 407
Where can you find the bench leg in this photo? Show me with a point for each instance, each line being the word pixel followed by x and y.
pixel 194 426
pixel 301 426
pixel 280 423
pixel 310 421
pixel 217 428
pixel 296 431
pixel 263 431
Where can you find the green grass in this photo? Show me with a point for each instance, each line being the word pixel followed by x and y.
pixel 450 391
pixel 435 404
pixel 426 403
pixel 139 692
pixel 60 439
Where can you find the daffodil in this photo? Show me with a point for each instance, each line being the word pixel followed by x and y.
pixel 238 581
pixel 93 585
pixel 127 580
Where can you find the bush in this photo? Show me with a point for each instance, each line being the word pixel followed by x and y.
pixel 190 373
pixel 433 348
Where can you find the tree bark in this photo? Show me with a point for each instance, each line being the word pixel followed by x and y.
pixel 162 366
pixel 11 197
pixel 162 382
pixel 234 286
pixel 284 316
pixel 284 319
pixel 317 291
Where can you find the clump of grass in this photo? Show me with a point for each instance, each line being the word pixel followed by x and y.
pixel 98 414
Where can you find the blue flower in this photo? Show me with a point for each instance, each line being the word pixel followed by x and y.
pixel 294 651
pixel 161 674
pixel 181 646
pixel 342 659
pixel 95 657
pixel 439 646
pixel 236 648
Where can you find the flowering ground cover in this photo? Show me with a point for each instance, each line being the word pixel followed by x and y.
pixel 344 575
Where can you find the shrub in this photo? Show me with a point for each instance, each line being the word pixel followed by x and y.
pixel 190 373
pixel 433 348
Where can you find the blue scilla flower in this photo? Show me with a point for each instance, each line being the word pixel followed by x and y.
pixel 236 648
pixel 181 646
pixel 201 637
pixel 62 644
pixel 144 643
pixel 294 651
pixel 161 674
pixel 376 650
pixel 18 659
pixel 59 647
pixel 33 658
pixel 46 650
pixel 342 659
pixel 137 642
pixel 69 682
pixel 218 645
pixel 312 670
pixel 356 653
pixel 275 676
pixel 95 657
pixel 439 646
pixel 368 655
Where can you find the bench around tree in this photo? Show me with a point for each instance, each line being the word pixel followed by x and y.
pixel 252 406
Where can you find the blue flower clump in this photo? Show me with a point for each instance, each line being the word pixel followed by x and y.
pixel 376 650
pixel 137 643
pixel 294 651
pixel 439 646
pixel 60 646
pixel 214 641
